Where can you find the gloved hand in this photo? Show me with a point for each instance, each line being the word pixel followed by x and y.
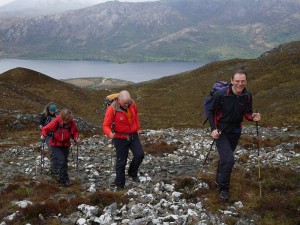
pixel 77 140
pixel 112 135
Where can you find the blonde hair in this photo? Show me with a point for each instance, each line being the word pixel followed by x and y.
pixel 66 115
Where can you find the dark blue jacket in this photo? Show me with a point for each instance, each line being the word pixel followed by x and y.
pixel 227 110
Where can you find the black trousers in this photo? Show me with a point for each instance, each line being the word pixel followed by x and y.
pixel 60 155
pixel 122 148
pixel 53 164
pixel 226 145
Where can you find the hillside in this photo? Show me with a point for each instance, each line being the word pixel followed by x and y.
pixel 176 187
pixel 24 94
pixel 97 83
pixel 28 91
pixel 166 30
pixel 274 80
pixel 174 101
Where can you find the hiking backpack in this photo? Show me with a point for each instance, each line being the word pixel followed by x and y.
pixel 109 100
pixel 218 86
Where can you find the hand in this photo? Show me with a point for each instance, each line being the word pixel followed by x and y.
pixel 77 140
pixel 112 135
pixel 140 132
pixel 256 117
pixel 40 127
pixel 215 134
pixel 43 138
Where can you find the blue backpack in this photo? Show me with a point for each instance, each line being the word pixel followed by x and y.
pixel 218 86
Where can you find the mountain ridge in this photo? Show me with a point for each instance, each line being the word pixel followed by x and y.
pixel 155 31
pixel 32 8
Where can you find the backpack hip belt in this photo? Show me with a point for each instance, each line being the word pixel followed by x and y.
pixel 128 136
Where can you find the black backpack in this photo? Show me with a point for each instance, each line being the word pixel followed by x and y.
pixel 218 86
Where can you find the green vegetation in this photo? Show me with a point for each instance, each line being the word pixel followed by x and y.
pixel 175 101
pixel 47 200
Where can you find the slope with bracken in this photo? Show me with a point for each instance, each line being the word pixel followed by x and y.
pixel 26 92
pixel 274 80
pixel 174 101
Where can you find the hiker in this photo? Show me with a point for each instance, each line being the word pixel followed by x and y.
pixel 225 115
pixel 121 123
pixel 50 113
pixel 63 128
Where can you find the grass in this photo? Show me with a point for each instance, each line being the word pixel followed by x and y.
pixel 251 141
pixel 280 194
pixel 49 200
pixel 159 148
pixel 279 203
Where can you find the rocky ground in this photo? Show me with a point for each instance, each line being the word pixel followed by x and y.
pixel 157 198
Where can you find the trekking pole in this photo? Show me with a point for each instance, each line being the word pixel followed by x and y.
pixel 71 152
pixel 111 150
pixel 211 146
pixel 203 164
pixel 42 155
pixel 258 159
pixel 77 161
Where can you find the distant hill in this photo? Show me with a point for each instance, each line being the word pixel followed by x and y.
pixel 32 8
pixel 28 91
pixel 98 83
pixel 174 101
pixel 173 30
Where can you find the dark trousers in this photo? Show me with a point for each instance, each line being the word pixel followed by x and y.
pixel 53 167
pixel 60 155
pixel 226 145
pixel 122 148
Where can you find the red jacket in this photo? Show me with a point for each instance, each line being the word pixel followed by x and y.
pixel 62 133
pixel 124 123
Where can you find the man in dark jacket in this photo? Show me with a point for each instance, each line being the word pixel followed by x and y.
pixel 122 124
pixel 226 113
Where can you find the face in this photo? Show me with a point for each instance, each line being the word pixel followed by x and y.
pixel 239 82
pixel 52 112
pixel 124 102
pixel 67 120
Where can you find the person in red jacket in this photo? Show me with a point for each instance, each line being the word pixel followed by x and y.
pixel 63 128
pixel 122 124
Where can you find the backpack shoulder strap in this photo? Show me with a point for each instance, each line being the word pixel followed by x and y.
pixel 248 95
pixel 227 91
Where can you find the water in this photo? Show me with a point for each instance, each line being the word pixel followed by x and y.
pixel 135 72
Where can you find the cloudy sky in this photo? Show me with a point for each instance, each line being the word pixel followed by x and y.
pixel 3 2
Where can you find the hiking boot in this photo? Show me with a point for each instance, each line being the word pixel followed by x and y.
pixel 54 172
pixel 217 185
pixel 136 179
pixel 113 184
pixel 120 188
pixel 223 195
pixel 66 184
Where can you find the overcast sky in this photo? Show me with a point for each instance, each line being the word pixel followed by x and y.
pixel 3 2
